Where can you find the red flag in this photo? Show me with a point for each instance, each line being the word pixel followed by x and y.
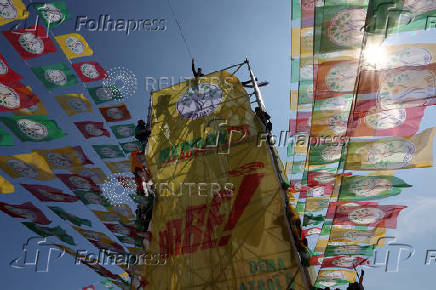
pixel 316 260
pixel 25 211
pixel 30 42
pixel 367 214
pixel 78 182
pixel 115 113
pixel 301 124
pixel 319 177
pixel 90 287
pixel 311 231
pixel 124 230
pixel 47 193
pixel 317 190
pixel 373 120
pixel 14 96
pixel 89 71
pixel 85 160
pixel 91 129
pixel 6 73
pixel 335 77
pixel 343 262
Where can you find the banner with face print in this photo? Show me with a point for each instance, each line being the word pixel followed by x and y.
pixel 15 96
pixel 77 182
pixel 331 278
pixel 83 158
pixel 108 151
pixel 6 73
pixel 104 94
pixel 55 76
pixel 74 104
pixel 89 71
pixel 115 113
pixel 95 174
pixel 91 197
pixel 30 165
pixel 61 158
pixel 91 129
pixel 366 214
pixel 74 45
pixel 123 131
pixel 12 10
pixel 53 13
pixel 49 194
pixel 392 153
pixel 25 211
pixel 30 42
pixel 119 166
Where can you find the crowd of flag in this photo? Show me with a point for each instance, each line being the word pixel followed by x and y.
pixel 26 119
pixel 357 106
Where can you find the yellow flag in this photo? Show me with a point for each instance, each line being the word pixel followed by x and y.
pixel 118 166
pixel 392 153
pixel 330 278
pixel 95 174
pixel 26 165
pixel 74 45
pixel 74 104
pixel 219 242
pixel 330 124
pixel 92 235
pixel 352 236
pixel 65 158
pixel 6 186
pixel 295 42
pixel 321 245
pixel 316 203
pixel 12 10
pixel 124 210
pixel 37 109
pixel 110 216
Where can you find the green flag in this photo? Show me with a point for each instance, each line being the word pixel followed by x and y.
pixel 361 188
pixel 103 94
pixel 321 154
pixel 349 250
pixel 108 151
pixel 326 227
pixel 300 207
pixel 53 13
pixel 47 231
pixel 130 240
pixel 310 219
pixel 132 146
pixel 123 131
pixel 5 138
pixel 35 128
pixel 108 284
pixel 91 197
pixel 55 76
pixel 70 217
pixel 298 167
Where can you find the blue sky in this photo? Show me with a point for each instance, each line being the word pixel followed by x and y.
pixel 219 33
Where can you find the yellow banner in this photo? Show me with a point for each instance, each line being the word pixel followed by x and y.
pixel 74 104
pixel 65 158
pixel 392 153
pixel 351 236
pixel 13 10
pixel 219 215
pixel 26 165
pixel 6 186
pixel 74 45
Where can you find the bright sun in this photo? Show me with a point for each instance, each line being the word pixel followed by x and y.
pixel 375 56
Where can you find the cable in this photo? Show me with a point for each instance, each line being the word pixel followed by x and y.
pixel 180 29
